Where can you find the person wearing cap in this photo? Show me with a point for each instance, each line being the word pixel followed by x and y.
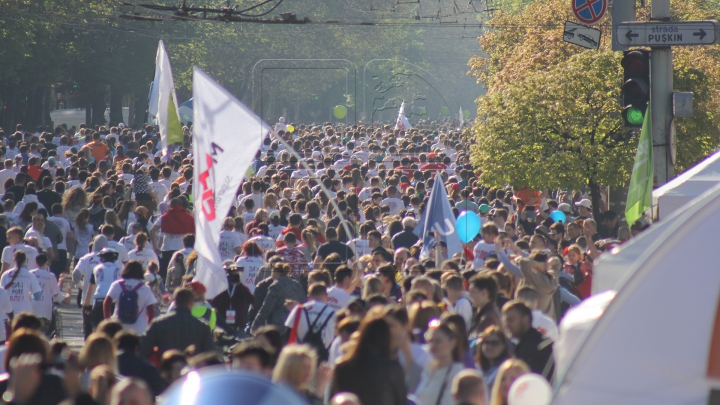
pixel 101 278
pixel 232 304
pixel 201 308
pixel 343 161
pixel 280 126
pixel 585 209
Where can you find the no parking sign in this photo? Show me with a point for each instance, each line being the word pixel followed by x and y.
pixel 589 11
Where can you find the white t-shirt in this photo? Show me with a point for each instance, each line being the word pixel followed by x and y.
pixel 61 152
pixel 360 247
pixel 145 299
pixel 84 268
pixel 21 290
pixel 4 175
pixel 43 241
pixel 8 255
pixel 462 307
pixel 84 238
pixel 145 257
pixel 544 324
pixel 338 298
pixel 314 309
pixel 274 231
pixel 64 226
pixel 264 242
pixel 128 242
pixel 103 275
pixel 229 240
pixel 5 309
pixel 169 241
pixel 481 251
pixel 49 284
pixel 251 265
pixel 396 205
pixel 122 251
pixel 159 189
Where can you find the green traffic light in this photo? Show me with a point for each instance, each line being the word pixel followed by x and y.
pixel 634 116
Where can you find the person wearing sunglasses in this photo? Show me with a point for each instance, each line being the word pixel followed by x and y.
pixel 493 351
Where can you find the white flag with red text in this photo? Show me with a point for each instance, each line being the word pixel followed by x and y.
pixel 402 122
pixel 226 137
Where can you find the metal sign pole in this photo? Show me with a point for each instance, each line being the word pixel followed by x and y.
pixel 661 87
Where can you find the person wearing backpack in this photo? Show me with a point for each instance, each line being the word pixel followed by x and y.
pixel 133 300
pixel 313 322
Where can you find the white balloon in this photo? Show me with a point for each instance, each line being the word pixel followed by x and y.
pixel 530 389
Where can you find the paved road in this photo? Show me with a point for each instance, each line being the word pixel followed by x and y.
pixel 72 322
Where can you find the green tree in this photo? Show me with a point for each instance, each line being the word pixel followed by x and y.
pixel 551 116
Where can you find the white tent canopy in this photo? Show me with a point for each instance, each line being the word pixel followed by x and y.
pixel 689 185
pixel 653 343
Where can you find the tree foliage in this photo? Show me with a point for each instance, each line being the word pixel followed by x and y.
pixel 85 46
pixel 551 116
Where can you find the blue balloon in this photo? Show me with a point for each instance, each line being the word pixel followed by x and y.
pixel 467 225
pixel 558 216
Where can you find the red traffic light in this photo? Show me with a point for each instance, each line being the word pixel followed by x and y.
pixel 635 63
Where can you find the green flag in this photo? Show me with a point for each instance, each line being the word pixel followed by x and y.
pixel 639 197
pixel 174 129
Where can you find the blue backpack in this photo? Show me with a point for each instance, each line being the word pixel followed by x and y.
pixel 128 310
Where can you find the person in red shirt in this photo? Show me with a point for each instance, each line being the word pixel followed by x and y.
pixel 34 168
pixel 433 164
pixel 294 224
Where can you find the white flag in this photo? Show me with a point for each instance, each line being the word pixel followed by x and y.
pixel 163 103
pixel 402 122
pixel 460 116
pixel 225 139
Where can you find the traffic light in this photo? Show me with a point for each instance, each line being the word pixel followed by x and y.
pixel 636 86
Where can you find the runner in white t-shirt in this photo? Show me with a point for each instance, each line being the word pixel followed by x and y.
pixel 250 263
pixel 50 291
pixel 338 296
pixel 14 239
pixel 318 312
pixel 230 242
pixel 5 309
pixel 142 252
pixel 22 287
pixel 132 279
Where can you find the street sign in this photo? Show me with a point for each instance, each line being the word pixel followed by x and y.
pixel 589 11
pixel 661 34
pixel 582 35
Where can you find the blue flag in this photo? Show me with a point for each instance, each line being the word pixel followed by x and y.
pixel 438 215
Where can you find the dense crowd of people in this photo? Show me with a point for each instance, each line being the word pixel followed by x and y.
pixel 329 292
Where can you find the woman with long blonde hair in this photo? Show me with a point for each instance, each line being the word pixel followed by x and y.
pixel 508 372
pixel 296 368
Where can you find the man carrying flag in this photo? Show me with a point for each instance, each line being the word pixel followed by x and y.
pixel 438 216
pixel 162 103
pixel 402 122
pixel 639 197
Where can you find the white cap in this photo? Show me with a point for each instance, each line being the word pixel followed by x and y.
pixel 565 208
pixel 121 125
pixel 585 203
pixel 282 119
pixel 345 154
